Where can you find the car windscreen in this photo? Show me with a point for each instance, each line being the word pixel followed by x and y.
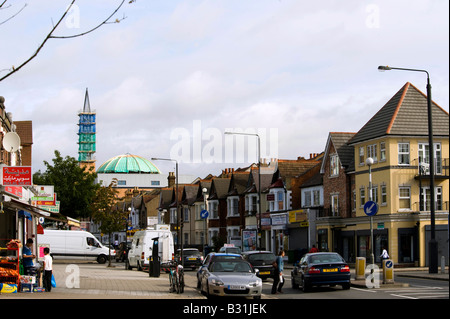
pixel 230 266
pixel 191 253
pixel 261 257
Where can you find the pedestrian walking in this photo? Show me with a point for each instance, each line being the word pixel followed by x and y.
pixel 48 270
pixel 278 278
pixel 384 255
pixel 313 249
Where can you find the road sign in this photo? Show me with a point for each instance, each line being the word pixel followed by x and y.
pixel 389 264
pixel 204 214
pixel 370 208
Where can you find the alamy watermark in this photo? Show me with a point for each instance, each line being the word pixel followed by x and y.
pixel 231 145
pixel 373 16
pixel 73 277
pixel 373 277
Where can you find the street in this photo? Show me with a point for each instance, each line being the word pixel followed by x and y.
pixel 89 280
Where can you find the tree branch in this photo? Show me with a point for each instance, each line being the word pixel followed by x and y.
pixel 93 29
pixel 14 69
pixel 13 14
pixel 50 35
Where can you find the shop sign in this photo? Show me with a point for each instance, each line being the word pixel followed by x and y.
pixel 17 175
pixel 51 201
pixel 44 193
pixel 51 208
pixel 296 216
pixel 279 219
pixel 265 221
pixel 13 190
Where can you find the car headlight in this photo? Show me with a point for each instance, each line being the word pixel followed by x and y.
pixel 255 283
pixel 217 282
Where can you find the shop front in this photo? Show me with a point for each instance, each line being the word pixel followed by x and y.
pixel 19 221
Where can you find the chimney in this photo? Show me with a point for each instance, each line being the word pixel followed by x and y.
pixel 171 179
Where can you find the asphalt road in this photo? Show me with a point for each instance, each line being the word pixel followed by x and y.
pixel 88 280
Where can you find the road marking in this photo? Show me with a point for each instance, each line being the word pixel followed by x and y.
pixel 363 289
pixel 401 296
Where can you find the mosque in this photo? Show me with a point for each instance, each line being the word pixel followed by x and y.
pixel 127 171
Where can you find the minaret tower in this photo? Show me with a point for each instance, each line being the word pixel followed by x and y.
pixel 86 135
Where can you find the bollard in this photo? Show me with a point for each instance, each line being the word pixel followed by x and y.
pixel 360 268
pixel 388 271
pixel 442 264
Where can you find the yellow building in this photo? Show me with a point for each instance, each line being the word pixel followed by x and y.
pixel 396 138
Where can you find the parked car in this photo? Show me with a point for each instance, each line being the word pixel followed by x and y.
pixel 261 260
pixel 319 269
pixel 210 258
pixel 191 256
pixel 230 277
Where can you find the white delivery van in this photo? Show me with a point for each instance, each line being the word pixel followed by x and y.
pixel 142 246
pixel 74 244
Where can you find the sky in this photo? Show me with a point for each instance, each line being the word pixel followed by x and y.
pixel 172 77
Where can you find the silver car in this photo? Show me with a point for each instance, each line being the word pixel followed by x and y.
pixel 230 278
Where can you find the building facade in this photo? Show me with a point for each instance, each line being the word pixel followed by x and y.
pixel 396 138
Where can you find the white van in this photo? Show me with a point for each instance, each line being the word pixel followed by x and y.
pixel 142 246
pixel 74 244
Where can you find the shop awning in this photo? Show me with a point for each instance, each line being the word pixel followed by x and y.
pixel 23 213
pixel 29 210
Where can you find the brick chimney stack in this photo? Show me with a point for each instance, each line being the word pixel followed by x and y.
pixel 171 179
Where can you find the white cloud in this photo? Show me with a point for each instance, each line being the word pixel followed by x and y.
pixel 305 68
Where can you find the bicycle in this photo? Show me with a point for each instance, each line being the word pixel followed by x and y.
pixel 176 278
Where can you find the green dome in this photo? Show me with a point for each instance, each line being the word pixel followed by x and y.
pixel 128 164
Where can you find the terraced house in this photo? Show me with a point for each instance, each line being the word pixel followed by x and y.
pixel 396 138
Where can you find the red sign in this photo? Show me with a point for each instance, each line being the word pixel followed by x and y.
pixel 17 175
pixel 13 190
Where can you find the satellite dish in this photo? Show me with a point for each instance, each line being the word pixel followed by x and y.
pixel 11 142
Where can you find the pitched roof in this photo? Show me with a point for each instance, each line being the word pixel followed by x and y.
pixel 406 113
pixel 219 188
pixel 189 194
pixel 238 183
pixel 253 181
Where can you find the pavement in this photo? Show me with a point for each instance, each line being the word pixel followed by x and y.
pixel 86 280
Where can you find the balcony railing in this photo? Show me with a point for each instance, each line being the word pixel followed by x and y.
pixel 441 167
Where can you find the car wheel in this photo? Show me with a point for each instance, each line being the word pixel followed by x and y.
pixel 101 259
pixel 139 268
pixel 346 286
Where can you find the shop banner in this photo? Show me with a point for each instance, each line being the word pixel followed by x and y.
pixel 17 175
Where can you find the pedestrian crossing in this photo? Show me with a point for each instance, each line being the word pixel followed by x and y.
pixel 420 292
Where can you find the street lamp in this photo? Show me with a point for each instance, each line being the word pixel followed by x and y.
pixel 179 218
pixel 369 162
pixel 258 218
pixel 204 191
pixel 432 244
